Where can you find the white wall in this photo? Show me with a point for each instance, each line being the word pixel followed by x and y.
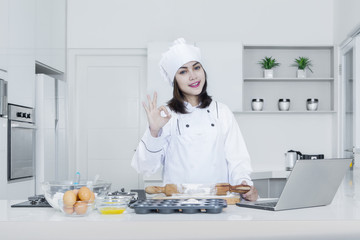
pixel 346 18
pixel 115 24
pixel 131 24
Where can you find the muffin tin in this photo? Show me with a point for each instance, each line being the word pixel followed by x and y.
pixel 190 206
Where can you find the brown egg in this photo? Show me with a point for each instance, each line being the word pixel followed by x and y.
pixel 80 208
pixel 68 209
pixel 76 192
pixel 84 194
pixel 69 198
pixel 92 198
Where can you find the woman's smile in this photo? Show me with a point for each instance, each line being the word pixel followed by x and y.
pixel 195 84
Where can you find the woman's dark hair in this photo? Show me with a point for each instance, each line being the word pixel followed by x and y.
pixel 176 104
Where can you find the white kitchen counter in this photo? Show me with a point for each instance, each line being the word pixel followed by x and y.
pixel 339 220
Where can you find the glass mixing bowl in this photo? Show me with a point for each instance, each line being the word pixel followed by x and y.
pixel 54 190
pixel 112 204
pixel 79 209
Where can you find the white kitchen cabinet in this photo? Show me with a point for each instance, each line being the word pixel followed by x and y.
pixel 36 32
pixel 45 101
pixel 51 33
pixel 21 32
pixel 51 157
pixel 319 84
pixel 21 77
pixel 20 52
pixel 4 23
pixel 62 166
pixel 3 33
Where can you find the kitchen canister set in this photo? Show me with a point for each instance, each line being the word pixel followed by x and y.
pixel 257 104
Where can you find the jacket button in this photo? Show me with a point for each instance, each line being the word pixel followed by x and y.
pixel 208 110
pixel 212 125
pixel 187 125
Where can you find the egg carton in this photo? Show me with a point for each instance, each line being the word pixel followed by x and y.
pixel 190 206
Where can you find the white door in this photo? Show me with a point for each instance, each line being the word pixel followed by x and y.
pixel 350 108
pixel 108 114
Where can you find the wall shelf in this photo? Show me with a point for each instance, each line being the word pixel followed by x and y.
pixel 284 79
pixel 319 84
pixel 285 112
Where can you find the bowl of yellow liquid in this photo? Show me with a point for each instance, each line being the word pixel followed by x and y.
pixel 112 210
pixel 111 205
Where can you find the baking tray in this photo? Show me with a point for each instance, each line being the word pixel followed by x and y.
pixel 187 206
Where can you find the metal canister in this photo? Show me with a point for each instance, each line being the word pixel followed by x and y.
pixel 290 159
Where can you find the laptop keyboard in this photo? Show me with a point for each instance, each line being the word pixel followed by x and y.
pixel 267 204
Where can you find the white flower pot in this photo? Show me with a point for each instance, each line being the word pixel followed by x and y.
pixel 301 73
pixel 268 73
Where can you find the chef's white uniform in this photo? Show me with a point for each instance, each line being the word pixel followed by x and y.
pixel 203 146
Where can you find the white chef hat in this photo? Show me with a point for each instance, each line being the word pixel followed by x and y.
pixel 177 55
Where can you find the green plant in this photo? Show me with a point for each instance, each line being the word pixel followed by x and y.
pixel 268 63
pixel 302 63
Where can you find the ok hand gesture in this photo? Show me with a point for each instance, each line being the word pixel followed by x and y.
pixel 156 121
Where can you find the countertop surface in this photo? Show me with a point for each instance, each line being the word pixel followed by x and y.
pixel 339 220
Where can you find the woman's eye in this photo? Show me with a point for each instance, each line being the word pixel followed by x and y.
pixel 182 72
pixel 197 67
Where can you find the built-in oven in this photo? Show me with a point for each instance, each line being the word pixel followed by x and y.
pixel 21 142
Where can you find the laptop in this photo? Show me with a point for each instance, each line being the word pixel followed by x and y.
pixel 311 183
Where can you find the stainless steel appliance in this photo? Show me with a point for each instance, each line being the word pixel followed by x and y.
pixel 21 142
pixel 292 156
pixel 3 98
pixel 34 201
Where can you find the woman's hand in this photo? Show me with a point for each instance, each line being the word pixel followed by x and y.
pixel 251 195
pixel 156 121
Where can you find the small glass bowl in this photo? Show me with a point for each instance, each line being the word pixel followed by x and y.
pixel 110 205
pixel 79 209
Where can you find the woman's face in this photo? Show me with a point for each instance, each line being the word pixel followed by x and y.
pixel 191 79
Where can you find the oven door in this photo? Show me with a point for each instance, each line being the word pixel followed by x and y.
pixel 21 150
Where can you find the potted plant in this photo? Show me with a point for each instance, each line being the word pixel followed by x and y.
pixel 268 63
pixel 302 63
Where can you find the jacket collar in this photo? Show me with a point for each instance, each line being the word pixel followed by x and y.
pixel 189 107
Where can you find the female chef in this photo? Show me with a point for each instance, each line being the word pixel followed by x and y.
pixel 196 139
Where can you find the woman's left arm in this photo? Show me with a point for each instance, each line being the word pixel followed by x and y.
pixel 237 155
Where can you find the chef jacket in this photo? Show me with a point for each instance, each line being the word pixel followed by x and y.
pixel 203 146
